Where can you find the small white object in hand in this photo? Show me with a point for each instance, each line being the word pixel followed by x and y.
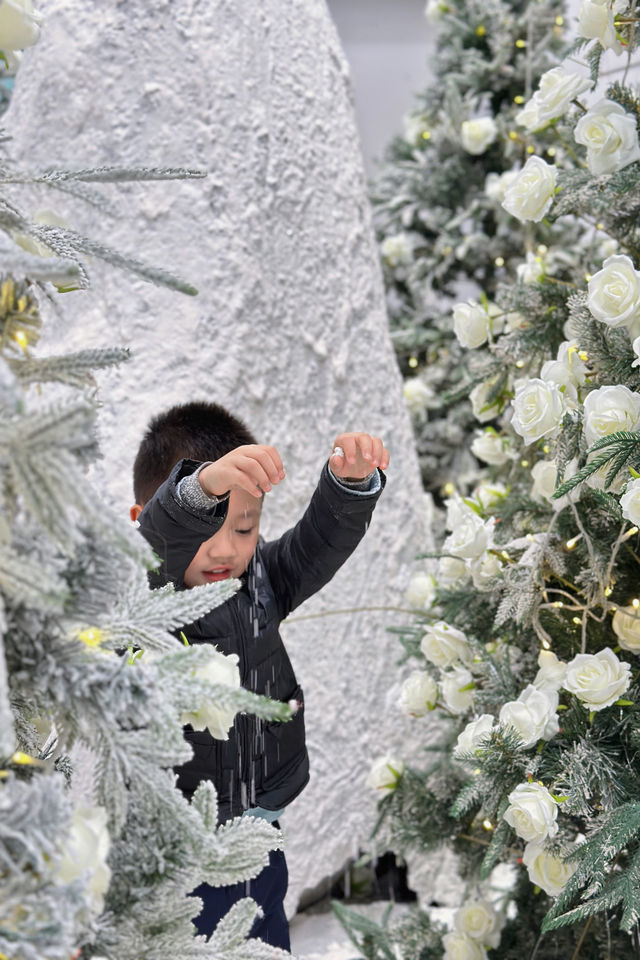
pixel 337 452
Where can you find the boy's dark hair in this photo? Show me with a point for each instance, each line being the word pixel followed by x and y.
pixel 198 431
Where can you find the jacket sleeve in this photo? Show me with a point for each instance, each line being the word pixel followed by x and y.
pixel 306 557
pixel 176 530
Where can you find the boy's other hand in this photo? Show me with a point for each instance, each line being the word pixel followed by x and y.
pixel 254 468
pixel 356 455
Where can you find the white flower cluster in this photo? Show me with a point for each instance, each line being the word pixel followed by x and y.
pixel 556 89
pixel 596 21
pixel 476 927
pixel 209 714
pixel 477 135
pixel 447 647
pixel 547 870
pixel 83 854
pixel 397 249
pixel 474 324
pixel 385 774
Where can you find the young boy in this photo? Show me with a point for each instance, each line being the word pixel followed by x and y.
pixel 199 481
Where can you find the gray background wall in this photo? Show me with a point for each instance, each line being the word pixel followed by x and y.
pixel 387 44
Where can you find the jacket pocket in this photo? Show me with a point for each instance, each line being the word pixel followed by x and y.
pixel 284 746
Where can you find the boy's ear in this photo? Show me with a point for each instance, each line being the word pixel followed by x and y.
pixel 135 511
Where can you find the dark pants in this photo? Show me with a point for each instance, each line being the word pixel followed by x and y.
pixel 268 890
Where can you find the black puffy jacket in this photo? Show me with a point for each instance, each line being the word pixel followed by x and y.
pixel 262 763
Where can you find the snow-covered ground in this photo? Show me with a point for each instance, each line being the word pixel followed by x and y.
pixel 320 937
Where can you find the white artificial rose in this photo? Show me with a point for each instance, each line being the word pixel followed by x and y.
pixel 608 248
pixel 552 671
pixel 530 195
pixel 483 408
pixel 496 184
pixel 457 509
pixel 477 135
pixel 569 356
pixel 533 715
pixel 397 250
pixel 458 946
pixel 613 293
pixel 529 116
pixel 385 774
pixel 568 371
pixel 488 494
pixel 538 409
pixel 444 645
pixel 547 871
pixel 457 686
pixel 418 395
pixel 84 853
pixel 421 591
pixel 474 736
pixel 554 371
pixel 491 448
pixel 545 473
pixel 219 669
pixel 479 921
pixel 556 90
pixel 532 270
pixel 532 812
pixel 419 694
pixel 471 324
pixel 19 26
pixel 610 135
pixel 597 679
pixel 471 536
pixel 484 571
pixel 451 570
pixel 596 22
pixel 493 187
pixel 626 626
pixel 609 409
pixel 630 502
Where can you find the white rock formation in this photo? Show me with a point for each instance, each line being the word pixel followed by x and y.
pixel 289 329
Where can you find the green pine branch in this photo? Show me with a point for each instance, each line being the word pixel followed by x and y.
pixel 619 450
pixel 597 881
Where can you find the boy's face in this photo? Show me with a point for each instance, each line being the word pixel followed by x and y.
pixel 228 552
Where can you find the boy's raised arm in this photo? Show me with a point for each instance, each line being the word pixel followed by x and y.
pixel 306 557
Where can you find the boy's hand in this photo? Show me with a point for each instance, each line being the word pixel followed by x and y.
pixel 254 468
pixel 356 455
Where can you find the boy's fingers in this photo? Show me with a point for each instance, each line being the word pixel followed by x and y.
pixel 348 444
pixel 257 475
pixel 380 453
pixel 365 443
pixel 270 460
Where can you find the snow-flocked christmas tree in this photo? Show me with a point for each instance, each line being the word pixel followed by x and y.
pixel 98 860
pixel 529 631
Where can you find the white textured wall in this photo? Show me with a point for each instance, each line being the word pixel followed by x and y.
pixel 289 328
